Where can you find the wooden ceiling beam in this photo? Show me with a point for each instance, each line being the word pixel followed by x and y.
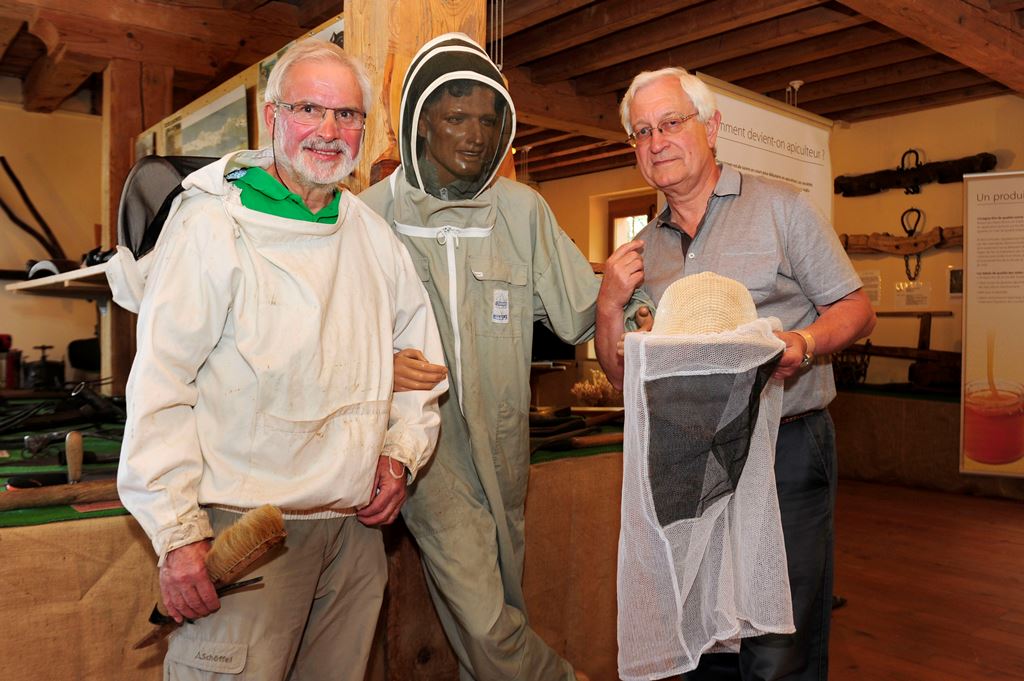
pixel 106 39
pixel 9 30
pixel 55 77
pixel 584 25
pixel 523 14
pixel 591 151
pixel 662 34
pixel 839 65
pixel 557 106
pixel 610 163
pixel 567 147
pixel 912 104
pixel 582 157
pixel 801 53
pixel 252 5
pixel 965 78
pixel 312 13
pixel 739 42
pixel 143 30
pixel 986 40
pixel 868 78
pixel 541 136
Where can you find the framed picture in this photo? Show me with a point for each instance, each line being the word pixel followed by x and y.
pixel 145 145
pixel 220 127
pixel 955 282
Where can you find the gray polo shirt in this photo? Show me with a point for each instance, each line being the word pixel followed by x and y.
pixel 769 236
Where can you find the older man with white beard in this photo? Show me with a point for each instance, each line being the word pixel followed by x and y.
pixel 264 375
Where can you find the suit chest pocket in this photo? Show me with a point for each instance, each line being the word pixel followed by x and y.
pixel 498 296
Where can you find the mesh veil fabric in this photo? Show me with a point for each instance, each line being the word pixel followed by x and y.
pixel 702 561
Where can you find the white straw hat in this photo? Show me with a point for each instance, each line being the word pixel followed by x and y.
pixel 703 303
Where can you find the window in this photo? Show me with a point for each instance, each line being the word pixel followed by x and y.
pixel 626 217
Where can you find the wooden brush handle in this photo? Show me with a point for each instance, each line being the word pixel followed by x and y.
pixel 74 452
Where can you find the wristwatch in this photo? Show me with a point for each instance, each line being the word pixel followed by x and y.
pixel 809 346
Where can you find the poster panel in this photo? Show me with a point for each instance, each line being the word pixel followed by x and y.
pixel 992 397
pixel 763 136
pixel 218 128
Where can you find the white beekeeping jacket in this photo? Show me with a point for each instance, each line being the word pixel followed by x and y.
pixel 702 561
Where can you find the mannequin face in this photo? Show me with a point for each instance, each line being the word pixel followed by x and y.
pixel 461 134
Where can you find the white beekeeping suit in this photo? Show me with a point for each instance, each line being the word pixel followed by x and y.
pixel 702 561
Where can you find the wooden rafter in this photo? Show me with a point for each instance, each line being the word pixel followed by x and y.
pixel 541 136
pixel 584 25
pixel 9 29
pixel 870 79
pixel 737 43
pixel 802 52
pixel 523 14
pixel 557 106
pixel 610 163
pixel 654 36
pixel 986 40
pixel 839 65
pixel 957 80
pixel 55 77
pixel 911 104
pixel 194 39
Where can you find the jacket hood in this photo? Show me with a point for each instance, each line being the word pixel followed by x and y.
pixel 449 57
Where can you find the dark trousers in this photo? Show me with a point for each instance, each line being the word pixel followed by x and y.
pixel 805 475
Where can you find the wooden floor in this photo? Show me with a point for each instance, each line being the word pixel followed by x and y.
pixel 934 584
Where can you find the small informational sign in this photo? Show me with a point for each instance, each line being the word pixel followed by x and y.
pixel 992 399
pixel 872 280
pixel 912 294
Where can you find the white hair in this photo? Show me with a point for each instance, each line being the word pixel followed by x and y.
pixel 321 51
pixel 698 92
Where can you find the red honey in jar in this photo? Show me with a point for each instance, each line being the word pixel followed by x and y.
pixel 994 422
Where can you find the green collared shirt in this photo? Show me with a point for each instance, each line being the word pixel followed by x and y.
pixel 261 192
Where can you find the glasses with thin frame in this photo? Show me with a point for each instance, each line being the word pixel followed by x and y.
pixel 670 126
pixel 307 113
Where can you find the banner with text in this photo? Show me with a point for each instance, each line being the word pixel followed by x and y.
pixel 992 402
pixel 766 137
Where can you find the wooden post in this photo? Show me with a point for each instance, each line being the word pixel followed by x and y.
pixel 135 96
pixel 376 28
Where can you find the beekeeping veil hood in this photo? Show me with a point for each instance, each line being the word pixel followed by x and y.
pixel 447 58
pixel 702 561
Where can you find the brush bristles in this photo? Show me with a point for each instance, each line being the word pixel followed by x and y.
pixel 242 544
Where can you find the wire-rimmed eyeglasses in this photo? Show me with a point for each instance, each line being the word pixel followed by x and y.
pixel 307 113
pixel 670 126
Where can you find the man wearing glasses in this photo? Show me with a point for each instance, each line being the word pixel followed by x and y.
pixel 264 375
pixel 767 235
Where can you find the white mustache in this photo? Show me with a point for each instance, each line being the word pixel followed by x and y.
pixel 335 146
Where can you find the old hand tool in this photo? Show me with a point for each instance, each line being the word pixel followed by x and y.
pixel 165 624
pixel 37 442
pixel 59 495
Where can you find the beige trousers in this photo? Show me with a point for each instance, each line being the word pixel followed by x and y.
pixel 312 618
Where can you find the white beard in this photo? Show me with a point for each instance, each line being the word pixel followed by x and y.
pixel 309 172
